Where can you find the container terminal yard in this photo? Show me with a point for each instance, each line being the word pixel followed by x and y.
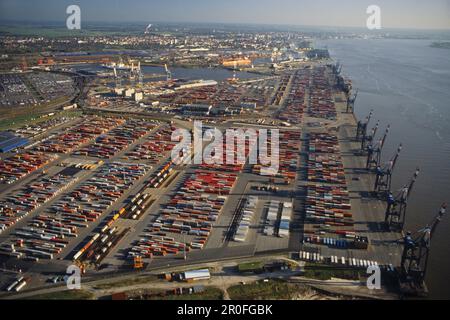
pixel 96 185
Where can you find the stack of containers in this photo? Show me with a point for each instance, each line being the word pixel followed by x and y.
pixel 41 238
pixel 22 202
pixel 191 211
pixel 70 140
pixel 288 154
pixel 326 168
pixel 20 165
pixel 294 106
pixel 323 142
pixel 321 102
pixel 117 140
pixel 328 204
pixel 286 213
pixel 246 219
pixel 160 245
pixel 272 217
pixel 226 165
pixel 75 210
pixel 156 146
pixel 279 94
pixel 201 95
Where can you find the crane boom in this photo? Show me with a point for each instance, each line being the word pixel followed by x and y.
pixel 415 256
pixel 361 128
pixel 369 138
pixel 384 175
pixel 437 219
pixel 395 215
pixel 351 101
pixel 374 153
pixel 168 73
pixel 385 136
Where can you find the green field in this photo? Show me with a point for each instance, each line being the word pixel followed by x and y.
pixel 52 32
pixel 34 118
pixel 126 282
pixel 17 121
pixel 274 289
pixel 256 266
pixel 325 272
pixel 210 293
pixel 64 295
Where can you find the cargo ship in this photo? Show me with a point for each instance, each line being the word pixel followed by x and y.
pixel 234 63
pixel 118 66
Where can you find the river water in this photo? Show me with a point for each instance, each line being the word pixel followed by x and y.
pixel 217 74
pixel 187 74
pixel 407 83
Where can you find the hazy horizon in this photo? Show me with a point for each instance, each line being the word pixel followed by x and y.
pixel 400 14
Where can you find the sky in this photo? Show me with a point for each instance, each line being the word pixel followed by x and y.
pixel 415 14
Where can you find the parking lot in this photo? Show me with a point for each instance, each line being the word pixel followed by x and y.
pixel 34 88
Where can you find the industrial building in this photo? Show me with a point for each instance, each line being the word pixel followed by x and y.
pixel 129 92
pixel 229 63
pixel 119 91
pixel 196 275
pixel 197 84
pixel 248 105
pixel 9 141
pixel 138 96
pixel 196 109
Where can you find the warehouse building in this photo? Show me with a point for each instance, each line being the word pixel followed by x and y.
pixel 9 141
pixel 196 275
pixel 138 96
pixel 197 84
pixel 196 109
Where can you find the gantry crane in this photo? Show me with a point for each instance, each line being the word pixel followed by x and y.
pixel 136 73
pixel 340 80
pixel 369 138
pixel 384 175
pixel 337 68
pixel 118 81
pixel 395 215
pixel 415 256
pixel 374 152
pixel 132 74
pixel 147 29
pixel 140 74
pixel 168 73
pixel 361 127
pixel 351 101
